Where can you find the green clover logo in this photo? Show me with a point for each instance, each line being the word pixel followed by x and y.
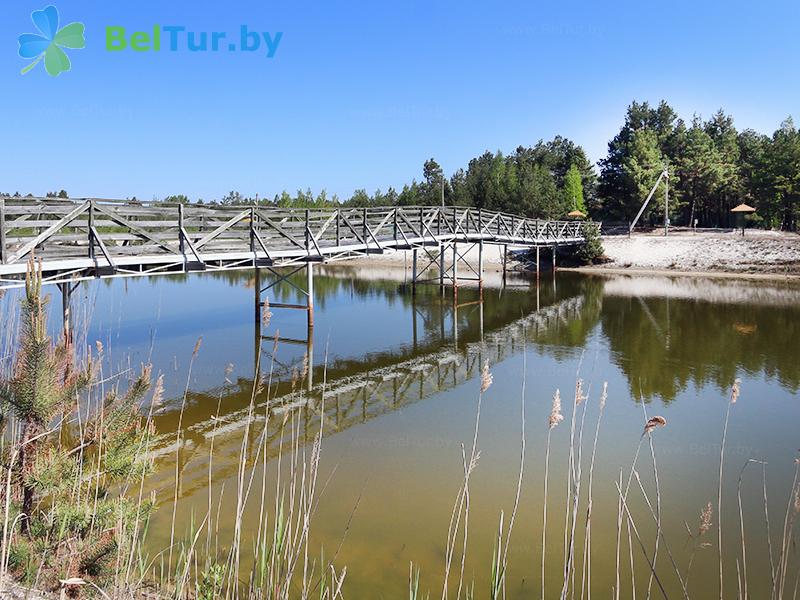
pixel 49 44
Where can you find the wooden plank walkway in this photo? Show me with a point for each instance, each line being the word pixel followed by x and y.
pixel 89 237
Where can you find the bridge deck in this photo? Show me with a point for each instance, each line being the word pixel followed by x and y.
pixel 79 239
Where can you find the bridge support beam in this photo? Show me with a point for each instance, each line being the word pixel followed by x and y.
pixel 441 266
pixel 414 271
pixel 480 268
pixel 66 311
pixel 310 294
pixel 455 269
pixel 505 262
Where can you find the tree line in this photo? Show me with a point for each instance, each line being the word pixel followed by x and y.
pixel 712 167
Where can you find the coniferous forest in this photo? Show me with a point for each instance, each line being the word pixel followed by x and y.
pixel 713 167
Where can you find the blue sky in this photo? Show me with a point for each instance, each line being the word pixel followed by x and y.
pixel 359 94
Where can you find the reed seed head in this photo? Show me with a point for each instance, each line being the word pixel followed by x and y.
pixel 705 519
pixel 266 315
pixel 99 345
pixel 579 395
pixel 735 391
pixel 486 377
pixel 197 345
pixel 653 423
pixel 158 391
pixel 555 413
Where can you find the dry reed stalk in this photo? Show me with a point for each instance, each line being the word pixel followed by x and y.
pixel 178 432
pixel 786 541
pixel 632 524
pixel 553 420
pixel 574 488
pixel 586 575
pixel 503 564
pixel 743 579
pixel 733 398
pixel 663 537
pixel 462 498
pixel 651 424
pixel 622 503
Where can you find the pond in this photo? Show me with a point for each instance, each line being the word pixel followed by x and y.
pixel 393 382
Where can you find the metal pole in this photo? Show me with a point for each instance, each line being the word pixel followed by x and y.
pixel 310 288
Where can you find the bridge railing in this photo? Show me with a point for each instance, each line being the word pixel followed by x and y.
pixel 106 229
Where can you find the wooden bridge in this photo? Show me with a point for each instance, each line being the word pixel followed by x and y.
pixel 78 239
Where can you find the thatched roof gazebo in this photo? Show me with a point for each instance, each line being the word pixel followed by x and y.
pixel 742 210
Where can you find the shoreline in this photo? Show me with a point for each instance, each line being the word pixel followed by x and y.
pixel 599 270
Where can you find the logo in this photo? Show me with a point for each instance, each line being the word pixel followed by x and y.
pixel 49 44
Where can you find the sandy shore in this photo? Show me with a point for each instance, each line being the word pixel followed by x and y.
pixel 759 254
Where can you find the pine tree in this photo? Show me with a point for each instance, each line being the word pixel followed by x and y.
pixel 69 522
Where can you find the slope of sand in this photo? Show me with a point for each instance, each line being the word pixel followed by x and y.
pixel 758 252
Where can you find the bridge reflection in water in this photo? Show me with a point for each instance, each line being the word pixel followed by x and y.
pixel 450 341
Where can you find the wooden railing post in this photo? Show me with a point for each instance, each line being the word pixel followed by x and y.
pixel 338 227
pixel 308 232
pixel 2 231
pixel 252 230
pixel 364 232
pixel 480 221
pixel 395 224
pixel 181 241
pixel 421 221
pixel 91 229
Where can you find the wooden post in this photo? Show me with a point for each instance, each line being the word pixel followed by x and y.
pixel 66 312
pixel 2 231
pixel 455 267
pixel 414 271
pixel 441 265
pixel 310 289
pixel 91 227
pixel 480 267
pixel 310 355
pixel 253 233
pixel 338 227
pixel 308 232
pixel 182 243
pixel 395 226
pixel 537 262
pixel 554 258
pixel 505 261
pixel 364 233
pixel 257 286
